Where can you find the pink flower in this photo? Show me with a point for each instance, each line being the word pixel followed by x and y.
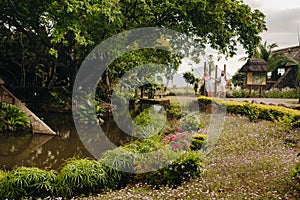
pixel 167 139
pixel 179 129
pixel 175 146
pixel 173 137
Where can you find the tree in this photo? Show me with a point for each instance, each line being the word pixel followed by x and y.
pixel 190 78
pixel 238 79
pixel 70 29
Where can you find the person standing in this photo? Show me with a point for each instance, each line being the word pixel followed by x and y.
pixel 222 85
pixel 208 83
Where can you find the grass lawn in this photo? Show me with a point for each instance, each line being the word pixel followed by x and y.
pixel 249 161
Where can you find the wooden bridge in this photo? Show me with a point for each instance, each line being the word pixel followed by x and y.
pixel 38 126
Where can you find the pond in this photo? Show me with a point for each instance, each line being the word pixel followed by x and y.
pixel 50 152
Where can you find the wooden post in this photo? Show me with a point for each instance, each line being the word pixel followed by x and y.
pixel 260 91
pixel 225 69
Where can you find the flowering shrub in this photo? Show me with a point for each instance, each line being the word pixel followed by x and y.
pixel 178 141
pixel 172 127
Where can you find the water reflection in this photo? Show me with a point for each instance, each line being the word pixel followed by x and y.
pixel 43 151
pixel 50 152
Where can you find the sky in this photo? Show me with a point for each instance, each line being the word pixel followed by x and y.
pixel 283 23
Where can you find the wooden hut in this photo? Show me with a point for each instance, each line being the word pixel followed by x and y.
pixel 285 76
pixel 256 74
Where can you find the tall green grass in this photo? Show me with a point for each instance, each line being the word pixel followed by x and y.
pixel 27 182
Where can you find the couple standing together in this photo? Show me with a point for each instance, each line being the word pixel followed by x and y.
pixel 221 89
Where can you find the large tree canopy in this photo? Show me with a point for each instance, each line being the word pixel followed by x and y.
pixel 46 41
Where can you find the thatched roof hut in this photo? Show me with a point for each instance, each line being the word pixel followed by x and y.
pixel 255 65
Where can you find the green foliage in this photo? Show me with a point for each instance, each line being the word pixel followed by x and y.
pixel 238 79
pixel 283 93
pixel 284 123
pixel 60 98
pixel 296 173
pixel 191 123
pixel 174 111
pixel 185 168
pixel 251 112
pixel 27 182
pixel 3 174
pixel 84 112
pixel 257 111
pixel 198 141
pixel 81 176
pixel 119 158
pixel 12 119
pixel 148 122
pixel 49 32
pixel 240 94
pixel 189 77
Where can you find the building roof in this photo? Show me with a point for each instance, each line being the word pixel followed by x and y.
pixel 255 65
pixel 292 52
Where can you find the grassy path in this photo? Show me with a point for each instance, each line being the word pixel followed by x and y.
pixel 250 161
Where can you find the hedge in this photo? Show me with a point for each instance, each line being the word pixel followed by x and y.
pixel 254 111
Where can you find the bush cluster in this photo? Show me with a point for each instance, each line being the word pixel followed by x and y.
pixel 77 177
pixel 286 93
pixel 12 119
pixel 256 111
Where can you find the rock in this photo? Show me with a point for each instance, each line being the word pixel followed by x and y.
pixel 254 102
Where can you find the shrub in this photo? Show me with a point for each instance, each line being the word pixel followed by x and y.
pixel 198 141
pixel 27 182
pixel 259 111
pixel 296 172
pixel 178 141
pixel 149 122
pixel 171 94
pixel 81 176
pixel 251 112
pixel 285 93
pixel 12 119
pixel 191 123
pixel 84 114
pixel 174 111
pixel 185 168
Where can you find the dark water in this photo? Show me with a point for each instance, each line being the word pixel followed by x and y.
pixel 50 152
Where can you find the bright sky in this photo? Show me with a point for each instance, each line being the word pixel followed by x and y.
pixel 283 23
